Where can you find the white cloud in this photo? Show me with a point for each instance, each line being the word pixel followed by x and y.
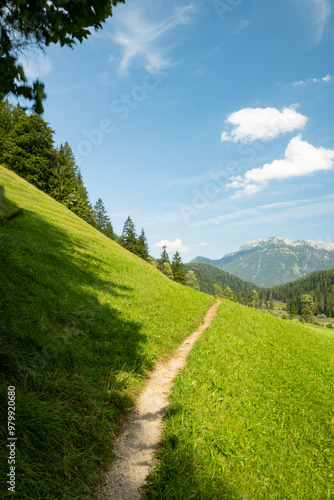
pixel 316 15
pixel 322 11
pixel 250 124
pixel 325 79
pixel 172 246
pixel 36 65
pixel 301 158
pixel 140 40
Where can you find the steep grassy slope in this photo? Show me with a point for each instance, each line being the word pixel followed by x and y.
pixel 207 275
pixel 82 322
pixel 251 415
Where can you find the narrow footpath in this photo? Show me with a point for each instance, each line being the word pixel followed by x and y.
pixel 136 445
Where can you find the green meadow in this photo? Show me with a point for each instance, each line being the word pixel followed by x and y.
pixel 329 332
pixel 82 323
pixel 251 415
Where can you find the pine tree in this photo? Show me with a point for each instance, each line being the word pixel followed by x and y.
pixel 293 311
pixel 164 257
pixel 81 205
pixel 217 290
pixel 67 175
pixel 102 219
pixel 306 307
pixel 129 238
pixel 66 172
pixel 142 245
pixel 255 300
pixel 192 281
pixel 228 294
pixel 179 272
pixel 270 302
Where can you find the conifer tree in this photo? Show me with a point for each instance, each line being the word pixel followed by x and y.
pixel 293 311
pixel 81 204
pixel 142 245
pixel 179 272
pixel 255 300
pixel 164 257
pixel 129 238
pixel 66 172
pixel 228 294
pixel 68 186
pixel 217 290
pixel 102 219
pixel 306 307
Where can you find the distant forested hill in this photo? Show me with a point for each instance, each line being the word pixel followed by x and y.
pixel 208 275
pixel 319 284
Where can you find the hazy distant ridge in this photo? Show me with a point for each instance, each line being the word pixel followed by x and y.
pixel 274 261
pixel 312 243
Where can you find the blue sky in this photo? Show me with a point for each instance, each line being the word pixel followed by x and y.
pixel 210 123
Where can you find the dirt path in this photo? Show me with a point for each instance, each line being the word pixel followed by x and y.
pixel 135 447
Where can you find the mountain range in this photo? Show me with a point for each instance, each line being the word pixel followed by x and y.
pixel 268 262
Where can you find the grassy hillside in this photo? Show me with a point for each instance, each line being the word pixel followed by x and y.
pixel 329 332
pixel 82 322
pixel 251 415
pixel 207 275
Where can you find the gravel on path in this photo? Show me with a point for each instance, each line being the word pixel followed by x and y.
pixel 135 447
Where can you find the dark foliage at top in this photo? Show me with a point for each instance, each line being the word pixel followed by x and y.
pixel 37 24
